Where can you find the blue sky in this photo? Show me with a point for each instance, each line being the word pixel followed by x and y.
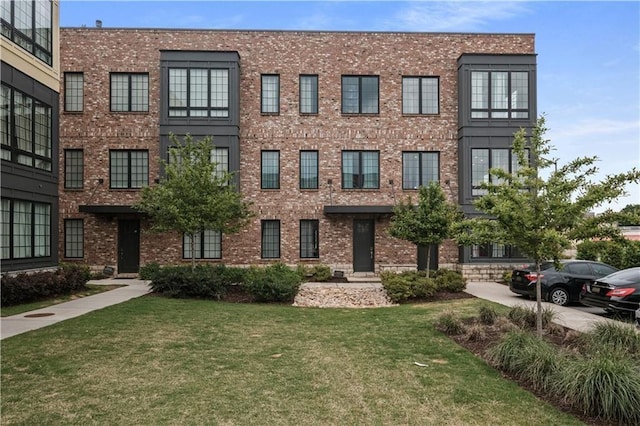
pixel 588 53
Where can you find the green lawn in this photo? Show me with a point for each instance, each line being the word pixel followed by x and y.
pixel 162 361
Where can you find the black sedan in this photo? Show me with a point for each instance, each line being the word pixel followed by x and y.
pixel 559 285
pixel 618 292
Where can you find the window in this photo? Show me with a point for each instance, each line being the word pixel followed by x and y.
pixel 308 169
pixel 198 92
pixel 128 169
pixel 309 245
pixel 26 131
pixel 220 156
pixel 359 94
pixel 26 229
pixel 499 94
pixel 419 169
pixel 73 168
pixel 270 94
pixel 360 169
pixel 29 25
pixel 270 239
pixel 129 92
pixel 73 238
pixel 420 95
pixel 308 94
pixel 270 167
pixel 494 251
pixel 208 245
pixel 484 159
pixel 73 91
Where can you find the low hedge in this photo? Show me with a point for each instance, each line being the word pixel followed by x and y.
pixel 31 287
pixel 413 285
pixel 274 283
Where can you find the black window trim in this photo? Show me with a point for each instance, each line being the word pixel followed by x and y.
pixel 262 242
pixel 75 73
pixel 277 112
pixel 202 248
pixel 317 170
pixel 66 173
pixel 128 151
pixel 420 100
pixel 129 93
pixel 420 153
pixel 317 94
pixel 361 175
pixel 509 110
pixel 188 108
pixel 17 34
pixel 67 220
pixel 262 170
pixel 359 77
pixel 316 238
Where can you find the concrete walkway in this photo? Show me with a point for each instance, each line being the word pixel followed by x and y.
pixel 27 321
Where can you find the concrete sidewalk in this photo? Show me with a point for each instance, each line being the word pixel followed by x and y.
pixel 566 316
pixel 27 321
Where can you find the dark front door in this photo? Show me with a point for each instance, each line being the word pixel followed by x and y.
pixel 363 245
pixel 128 245
pixel 422 257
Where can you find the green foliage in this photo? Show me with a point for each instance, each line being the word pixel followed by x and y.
pixel 408 285
pixel 29 287
pixel 633 210
pixel 314 273
pixel 488 315
pixel 450 324
pixel 525 317
pixel 615 337
pixel 589 250
pixel 450 281
pixel 149 271
pixel 620 253
pixel 203 281
pixel 274 283
pixel 506 276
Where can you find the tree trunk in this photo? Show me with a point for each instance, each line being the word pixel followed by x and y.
pixel 538 302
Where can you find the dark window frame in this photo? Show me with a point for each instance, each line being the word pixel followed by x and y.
pixel 30 42
pixel 73 169
pixel 476 190
pixel 202 245
pixel 129 169
pixel 130 103
pixel 33 224
pixel 360 79
pixel 189 109
pixel 511 252
pixel 510 111
pixel 262 171
pixel 421 101
pixel 76 251
pixel 262 94
pixel 270 249
pixel 314 238
pixel 421 176
pixel 359 185
pixel 303 173
pixel 76 95
pixel 314 94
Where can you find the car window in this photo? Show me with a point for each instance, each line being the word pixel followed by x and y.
pixel 577 269
pixel 602 270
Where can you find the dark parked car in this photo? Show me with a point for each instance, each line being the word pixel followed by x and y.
pixel 618 292
pixel 560 286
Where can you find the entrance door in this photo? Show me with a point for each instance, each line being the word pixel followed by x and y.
pixel 128 245
pixel 422 258
pixel 363 245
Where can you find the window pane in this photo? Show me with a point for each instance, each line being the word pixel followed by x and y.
pixel 270 93
pixel 23 115
pixel 499 160
pixel 410 95
pixel 350 95
pixel 119 92
pixel 270 169
pixel 139 92
pixel 139 169
pixel 309 239
pixel 479 170
pixel 499 90
pixel 73 238
pixel 43 24
pixel 211 244
pixel 350 169
pixel 73 92
pixel 520 93
pixel 119 169
pixel 270 239
pixel 410 170
pixel 198 88
pixel 22 231
pixel 73 168
pixel 42 230
pixel 177 88
pixel 479 94
pixel 309 94
pixel 5 234
pixel 430 168
pixel 220 156
pixel 186 246
pixel 5 122
pixel 371 178
pixel 430 95
pixel 369 95
pixel 308 169
pixel 219 93
pixel 42 141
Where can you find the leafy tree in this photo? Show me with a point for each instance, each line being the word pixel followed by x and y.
pixel 542 217
pixel 427 223
pixel 632 209
pixel 194 195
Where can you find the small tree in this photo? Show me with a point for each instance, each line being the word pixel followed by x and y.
pixel 427 223
pixel 194 195
pixel 542 217
pixel 632 209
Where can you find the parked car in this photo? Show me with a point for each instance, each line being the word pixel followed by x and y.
pixel 618 292
pixel 559 285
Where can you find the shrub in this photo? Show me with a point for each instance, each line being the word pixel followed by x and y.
pixel 315 273
pixel 408 285
pixel 475 333
pixel 619 253
pixel 525 317
pixel 450 281
pixel 506 276
pixel 274 283
pixel 488 315
pixel 589 250
pixel 615 337
pixel 205 281
pixel 450 324
pixel 148 271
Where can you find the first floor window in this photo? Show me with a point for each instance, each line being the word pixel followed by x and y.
pixel 308 169
pixel 419 169
pixel 360 169
pixel 485 159
pixel 26 229
pixel 73 238
pixel 208 245
pixel 270 170
pixel 309 241
pixel 128 169
pixel 420 95
pixel 270 239
pixel 73 168
pixel 494 251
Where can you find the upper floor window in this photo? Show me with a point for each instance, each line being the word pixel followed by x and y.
pixel 420 95
pixel 208 245
pixel 26 129
pixel 308 94
pixel 270 94
pixel 129 92
pixel 220 156
pixel 360 169
pixel 73 91
pixel 419 169
pixel 128 169
pixel 29 25
pixel 26 229
pixel 360 95
pixel 198 92
pixel 270 170
pixel 484 159
pixel 499 94
pixel 309 240
pixel 73 168
pixel 308 169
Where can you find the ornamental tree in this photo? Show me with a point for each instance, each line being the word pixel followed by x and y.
pixel 194 194
pixel 544 216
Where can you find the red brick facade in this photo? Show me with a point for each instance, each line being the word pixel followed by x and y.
pixel 96 130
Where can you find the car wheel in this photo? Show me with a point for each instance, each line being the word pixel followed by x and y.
pixel 559 296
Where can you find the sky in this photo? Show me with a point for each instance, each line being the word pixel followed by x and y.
pixel 588 53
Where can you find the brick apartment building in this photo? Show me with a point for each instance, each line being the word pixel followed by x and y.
pixel 30 74
pixel 325 131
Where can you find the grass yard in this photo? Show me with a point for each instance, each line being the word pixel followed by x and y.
pixel 164 361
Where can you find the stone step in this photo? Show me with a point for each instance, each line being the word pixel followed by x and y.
pixel 342 295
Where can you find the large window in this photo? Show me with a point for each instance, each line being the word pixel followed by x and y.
pixel 360 169
pixel 26 131
pixel 270 239
pixel 129 92
pixel 359 94
pixel 419 169
pixel 484 159
pixel 26 229
pixel 308 94
pixel 270 94
pixel 73 91
pixel 494 251
pixel 270 170
pixel 308 169
pixel 198 92
pixel 29 25
pixel 73 168
pixel 499 94
pixel 128 169
pixel 208 245
pixel 220 156
pixel 309 240
pixel 73 238
pixel 420 95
